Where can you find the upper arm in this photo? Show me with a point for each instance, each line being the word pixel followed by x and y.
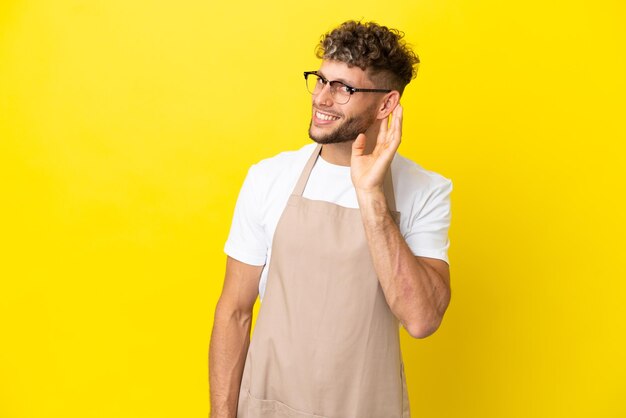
pixel 246 248
pixel 427 231
pixel 241 286
pixel 248 239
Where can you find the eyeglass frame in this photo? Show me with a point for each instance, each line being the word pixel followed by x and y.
pixel 351 89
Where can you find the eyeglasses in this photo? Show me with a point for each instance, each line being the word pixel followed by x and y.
pixel 341 92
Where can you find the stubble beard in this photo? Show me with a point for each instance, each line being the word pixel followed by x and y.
pixel 347 131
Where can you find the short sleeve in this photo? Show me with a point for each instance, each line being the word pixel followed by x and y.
pixel 428 230
pixel 246 241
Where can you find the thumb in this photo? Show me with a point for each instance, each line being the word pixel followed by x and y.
pixel 358 146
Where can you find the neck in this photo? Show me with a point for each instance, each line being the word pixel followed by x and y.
pixel 341 153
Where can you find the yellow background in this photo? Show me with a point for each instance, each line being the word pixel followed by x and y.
pixel 127 127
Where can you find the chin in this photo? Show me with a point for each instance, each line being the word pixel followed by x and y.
pixel 336 136
pixel 328 139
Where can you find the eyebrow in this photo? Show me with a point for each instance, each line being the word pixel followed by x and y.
pixel 347 83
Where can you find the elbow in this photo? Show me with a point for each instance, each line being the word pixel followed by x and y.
pixel 421 329
pixel 426 326
pixel 229 313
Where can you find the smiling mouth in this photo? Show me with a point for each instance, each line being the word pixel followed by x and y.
pixel 325 116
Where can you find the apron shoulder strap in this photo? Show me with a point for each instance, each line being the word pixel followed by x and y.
pixel 306 172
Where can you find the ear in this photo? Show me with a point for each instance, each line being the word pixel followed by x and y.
pixel 389 103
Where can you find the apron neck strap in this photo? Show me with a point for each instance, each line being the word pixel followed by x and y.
pixel 306 172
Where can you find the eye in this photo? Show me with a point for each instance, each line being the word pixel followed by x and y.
pixel 345 89
pixel 342 88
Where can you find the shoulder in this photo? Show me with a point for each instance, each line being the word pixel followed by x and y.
pixel 422 195
pixel 273 178
pixel 285 161
pixel 413 179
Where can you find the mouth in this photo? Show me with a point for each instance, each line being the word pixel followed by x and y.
pixel 322 118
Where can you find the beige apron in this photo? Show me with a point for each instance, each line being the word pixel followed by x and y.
pixel 326 343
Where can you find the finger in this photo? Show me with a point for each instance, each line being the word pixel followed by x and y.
pixel 397 116
pixel 388 149
pixel 382 132
pixel 392 127
pixel 358 146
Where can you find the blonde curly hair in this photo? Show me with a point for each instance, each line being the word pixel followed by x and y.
pixel 376 49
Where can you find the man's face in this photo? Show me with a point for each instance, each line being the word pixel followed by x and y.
pixel 332 123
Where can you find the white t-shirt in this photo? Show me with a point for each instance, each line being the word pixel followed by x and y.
pixel 422 198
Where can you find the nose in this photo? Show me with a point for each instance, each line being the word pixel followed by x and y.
pixel 323 98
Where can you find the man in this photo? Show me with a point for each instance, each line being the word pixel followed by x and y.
pixel 343 241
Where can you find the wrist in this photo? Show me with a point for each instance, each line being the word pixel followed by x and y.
pixel 372 203
pixel 370 194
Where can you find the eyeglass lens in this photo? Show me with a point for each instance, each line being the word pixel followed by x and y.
pixel 315 84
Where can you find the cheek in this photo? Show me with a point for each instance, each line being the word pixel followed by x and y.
pixel 356 111
pixel 364 108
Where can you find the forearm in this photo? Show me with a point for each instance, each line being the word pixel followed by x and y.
pixel 230 340
pixel 415 292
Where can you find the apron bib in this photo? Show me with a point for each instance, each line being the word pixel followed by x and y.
pixel 326 343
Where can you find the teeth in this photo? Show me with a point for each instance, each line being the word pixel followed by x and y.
pixel 324 116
